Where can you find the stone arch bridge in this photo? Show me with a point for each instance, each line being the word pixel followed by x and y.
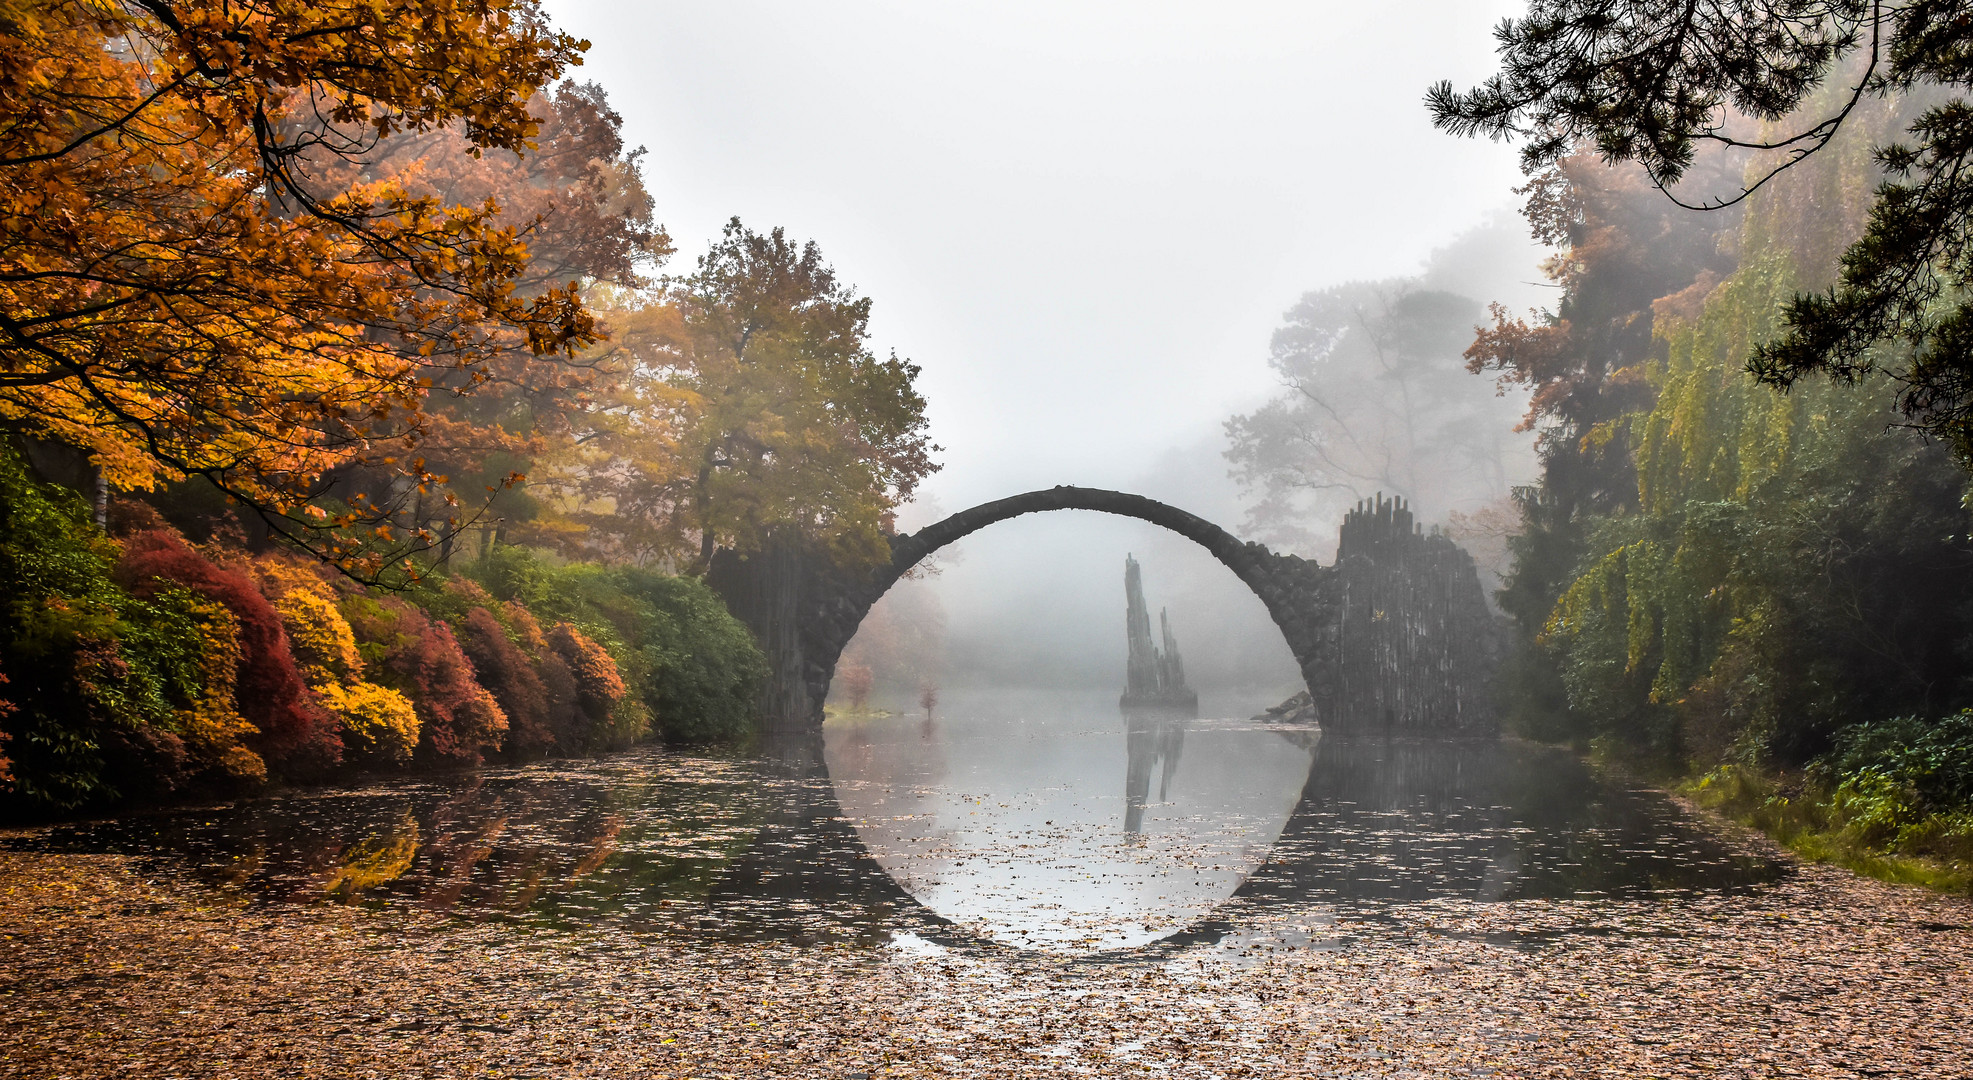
pixel 1395 635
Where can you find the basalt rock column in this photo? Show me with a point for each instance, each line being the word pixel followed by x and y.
pixel 1152 677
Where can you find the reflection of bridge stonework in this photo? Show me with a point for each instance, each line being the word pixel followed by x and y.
pixel 804 610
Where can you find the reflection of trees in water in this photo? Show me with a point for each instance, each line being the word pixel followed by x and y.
pixel 573 851
pixel 1154 740
pixel 809 878
pixel 558 849
pixel 889 776
pixel 734 850
pixel 375 860
pixel 714 849
pixel 1413 819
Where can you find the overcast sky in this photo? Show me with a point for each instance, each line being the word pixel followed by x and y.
pixel 1082 219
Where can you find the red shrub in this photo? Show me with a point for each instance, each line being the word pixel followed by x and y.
pixel 564 719
pixel 295 735
pixel 461 720
pixel 508 673
pixel 6 767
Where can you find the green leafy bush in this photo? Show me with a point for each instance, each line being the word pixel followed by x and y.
pixel 686 659
pixel 99 684
pixel 703 670
pixel 1906 784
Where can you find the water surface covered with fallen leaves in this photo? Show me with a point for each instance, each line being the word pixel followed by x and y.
pixel 1053 825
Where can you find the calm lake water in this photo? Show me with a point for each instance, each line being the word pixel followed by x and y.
pixel 1052 824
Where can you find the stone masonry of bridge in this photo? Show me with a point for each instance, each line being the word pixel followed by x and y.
pixel 804 610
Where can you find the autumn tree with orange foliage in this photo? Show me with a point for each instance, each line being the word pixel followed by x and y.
pixel 577 199
pixel 183 293
pixel 749 405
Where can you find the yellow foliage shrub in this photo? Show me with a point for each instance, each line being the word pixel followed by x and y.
pixel 279 575
pixel 320 638
pixel 374 716
pixel 213 727
pixel 324 648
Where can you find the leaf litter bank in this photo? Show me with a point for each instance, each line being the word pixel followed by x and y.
pixel 108 973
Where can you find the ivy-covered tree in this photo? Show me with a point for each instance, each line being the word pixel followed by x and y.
pixel 1781 567
pixel 1796 564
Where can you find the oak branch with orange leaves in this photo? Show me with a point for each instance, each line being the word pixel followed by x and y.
pixel 193 282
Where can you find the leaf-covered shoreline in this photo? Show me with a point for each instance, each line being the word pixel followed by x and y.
pixel 108 972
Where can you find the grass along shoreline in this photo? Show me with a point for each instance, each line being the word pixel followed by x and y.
pixel 1822 823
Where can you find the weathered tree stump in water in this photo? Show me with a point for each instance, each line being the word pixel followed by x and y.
pixel 804 609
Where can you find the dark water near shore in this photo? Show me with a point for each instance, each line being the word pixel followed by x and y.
pixel 1049 824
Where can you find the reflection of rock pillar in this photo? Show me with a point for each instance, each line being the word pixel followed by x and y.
pixel 1141 748
pixel 1171 743
pixel 1153 739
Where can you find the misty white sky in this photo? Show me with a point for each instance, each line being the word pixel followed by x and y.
pixel 1082 219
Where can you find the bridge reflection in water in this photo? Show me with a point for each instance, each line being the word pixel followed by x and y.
pixel 1031 823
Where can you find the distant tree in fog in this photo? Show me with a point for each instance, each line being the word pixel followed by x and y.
pixel 1376 397
pixel 902 639
pixel 856 680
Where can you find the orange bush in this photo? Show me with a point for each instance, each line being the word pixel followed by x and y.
pixel 598 684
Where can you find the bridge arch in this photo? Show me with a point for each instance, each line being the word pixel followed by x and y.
pixel 1395 636
pixel 804 609
pixel 1250 562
